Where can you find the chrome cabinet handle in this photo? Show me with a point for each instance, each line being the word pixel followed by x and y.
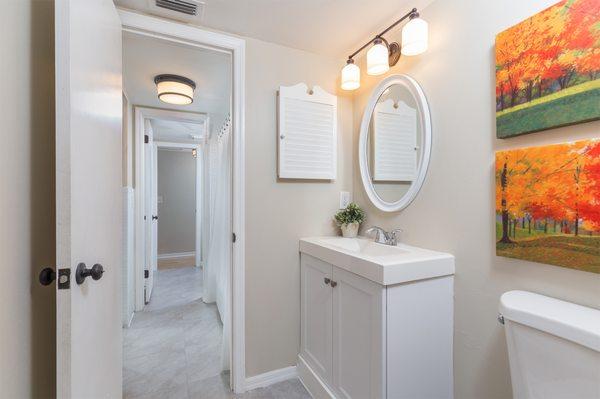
pixel 327 280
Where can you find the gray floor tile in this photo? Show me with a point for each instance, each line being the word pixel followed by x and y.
pixel 173 348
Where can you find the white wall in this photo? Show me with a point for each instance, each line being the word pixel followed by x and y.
pixel 278 213
pixel 455 210
pixel 177 214
pixel 27 238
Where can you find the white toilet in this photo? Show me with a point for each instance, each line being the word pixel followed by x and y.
pixel 553 347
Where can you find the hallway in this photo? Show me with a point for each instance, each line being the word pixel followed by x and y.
pixel 173 347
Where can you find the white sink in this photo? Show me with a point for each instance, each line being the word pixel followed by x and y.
pixel 383 264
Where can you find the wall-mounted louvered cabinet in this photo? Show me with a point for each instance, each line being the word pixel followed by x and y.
pixel 307 133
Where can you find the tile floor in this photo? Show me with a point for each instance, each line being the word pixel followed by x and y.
pixel 173 348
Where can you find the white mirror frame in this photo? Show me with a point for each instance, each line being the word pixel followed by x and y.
pixel 425 151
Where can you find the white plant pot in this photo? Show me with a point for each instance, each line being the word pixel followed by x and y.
pixel 350 230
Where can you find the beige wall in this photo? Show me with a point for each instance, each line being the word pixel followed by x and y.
pixel 177 214
pixel 278 213
pixel 454 212
pixel 27 323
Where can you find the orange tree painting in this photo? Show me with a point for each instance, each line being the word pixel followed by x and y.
pixel 548 69
pixel 548 204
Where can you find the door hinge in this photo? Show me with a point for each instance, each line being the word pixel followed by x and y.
pixel 146 273
pixel 234 237
pixel 146 139
pixel 64 279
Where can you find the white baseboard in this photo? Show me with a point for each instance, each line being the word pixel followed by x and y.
pixel 271 377
pixel 176 255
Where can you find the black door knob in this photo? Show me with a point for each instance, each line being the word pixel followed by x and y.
pixel 47 276
pixel 154 217
pixel 82 272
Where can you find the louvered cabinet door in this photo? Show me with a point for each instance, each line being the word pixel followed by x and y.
pixel 307 133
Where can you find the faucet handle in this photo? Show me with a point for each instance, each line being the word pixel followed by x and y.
pixel 379 233
pixel 393 236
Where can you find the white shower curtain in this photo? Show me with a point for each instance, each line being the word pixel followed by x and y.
pixel 217 266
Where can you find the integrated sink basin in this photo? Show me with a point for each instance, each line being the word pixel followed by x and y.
pixel 383 264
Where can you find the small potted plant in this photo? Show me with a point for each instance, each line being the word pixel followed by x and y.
pixel 349 219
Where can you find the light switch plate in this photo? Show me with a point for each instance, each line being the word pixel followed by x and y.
pixel 344 199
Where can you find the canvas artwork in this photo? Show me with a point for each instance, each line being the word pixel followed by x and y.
pixel 548 204
pixel 548 69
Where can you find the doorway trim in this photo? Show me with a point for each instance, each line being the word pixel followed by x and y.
pixel 199 190
pixel 140 115
pixel 195 36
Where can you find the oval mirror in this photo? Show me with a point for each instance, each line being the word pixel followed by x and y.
pixel 395 143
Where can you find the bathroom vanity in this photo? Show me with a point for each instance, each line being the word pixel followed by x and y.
pixel 376 320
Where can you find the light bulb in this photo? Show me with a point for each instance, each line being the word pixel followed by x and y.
pixel 414 37
pixel 378 58
pixel 350 76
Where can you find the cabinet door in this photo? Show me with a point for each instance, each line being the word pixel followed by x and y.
pixel 316 323
pixel 358 336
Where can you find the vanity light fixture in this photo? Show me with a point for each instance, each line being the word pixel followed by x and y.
pixel 350 76
pixel 377 58
pixel 175 89
pixel 382 54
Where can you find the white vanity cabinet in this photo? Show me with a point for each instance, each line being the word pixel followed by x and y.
pixel 364 339
pixel 341 329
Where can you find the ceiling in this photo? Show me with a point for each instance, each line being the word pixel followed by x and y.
pixel 332 27
pixel 145 57
pixel 177 131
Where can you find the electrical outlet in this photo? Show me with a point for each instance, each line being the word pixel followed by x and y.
pixel 344 199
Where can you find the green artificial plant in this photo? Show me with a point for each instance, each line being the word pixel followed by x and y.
pixel 351 214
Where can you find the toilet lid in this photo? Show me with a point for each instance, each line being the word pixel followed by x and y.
pixel 567 320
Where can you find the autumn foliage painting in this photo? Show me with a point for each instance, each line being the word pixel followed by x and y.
pixel 548 69
pixel 548 204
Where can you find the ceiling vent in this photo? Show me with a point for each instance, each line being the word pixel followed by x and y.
pixel 183 10
pixel 186 7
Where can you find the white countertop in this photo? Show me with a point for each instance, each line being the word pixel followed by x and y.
pixel 383 264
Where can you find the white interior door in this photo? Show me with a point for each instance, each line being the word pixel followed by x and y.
pixel 149 210
pixel 154 199
pixel 88 198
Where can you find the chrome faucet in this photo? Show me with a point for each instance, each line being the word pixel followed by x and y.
pixel 384 237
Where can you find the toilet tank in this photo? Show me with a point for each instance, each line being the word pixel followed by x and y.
pixel 553 347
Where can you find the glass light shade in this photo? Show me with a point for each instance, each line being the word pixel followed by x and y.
pixel 378 59
pixel 350 77
pixel 414 37
pixel 174 92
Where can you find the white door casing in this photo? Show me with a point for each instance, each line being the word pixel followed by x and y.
pixel 358 336
pixel 316 307
pixel 156 27
pixel 88 197
pixel 199 207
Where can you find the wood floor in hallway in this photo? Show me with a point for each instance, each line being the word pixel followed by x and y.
pixel 176 263
pixel 173 348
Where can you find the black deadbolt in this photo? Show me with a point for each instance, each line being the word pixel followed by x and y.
pixel 47 276
pixel 82 272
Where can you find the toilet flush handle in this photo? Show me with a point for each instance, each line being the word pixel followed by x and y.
pixel 500 318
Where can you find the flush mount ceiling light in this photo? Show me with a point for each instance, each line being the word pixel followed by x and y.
pixel 382 54
pixel 175 89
